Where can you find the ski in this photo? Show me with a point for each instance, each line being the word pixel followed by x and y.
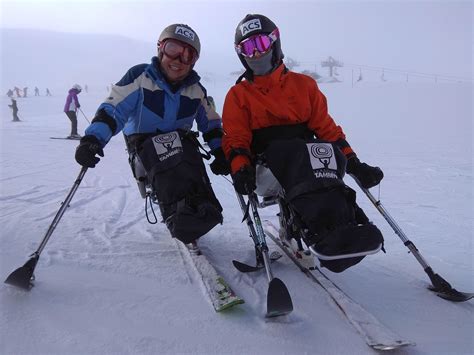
pixel 66 138
pixel 375 334
pixel 217 290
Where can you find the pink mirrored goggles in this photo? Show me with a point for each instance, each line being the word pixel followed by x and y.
pixel 260 44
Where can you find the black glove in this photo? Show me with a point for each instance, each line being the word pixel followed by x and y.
pixel 86 151
pixel 220 165
pixel 368 176
pixel 244 180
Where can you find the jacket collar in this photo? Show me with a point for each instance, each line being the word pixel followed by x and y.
pixel 271 79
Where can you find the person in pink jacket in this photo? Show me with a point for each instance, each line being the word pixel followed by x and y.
pixel 70 108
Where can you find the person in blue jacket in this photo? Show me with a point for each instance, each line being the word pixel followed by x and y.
pixel 155 105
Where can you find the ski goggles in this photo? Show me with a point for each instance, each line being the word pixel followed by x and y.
pixel 176 49
pixel 260 44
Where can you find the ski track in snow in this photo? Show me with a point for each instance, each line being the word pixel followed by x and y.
pixel 110 283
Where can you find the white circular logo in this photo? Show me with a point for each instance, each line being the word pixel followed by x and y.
pixel 321 151
pixel 166 138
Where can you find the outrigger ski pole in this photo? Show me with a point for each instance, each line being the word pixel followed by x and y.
pixel 24 275
pixel 278 298
pixel 439 285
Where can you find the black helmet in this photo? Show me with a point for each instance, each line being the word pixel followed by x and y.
pixel 182 33
pixel 253 24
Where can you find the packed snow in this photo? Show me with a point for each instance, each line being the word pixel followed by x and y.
pixel 110 283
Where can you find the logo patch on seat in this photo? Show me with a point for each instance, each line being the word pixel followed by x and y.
pixel 167 145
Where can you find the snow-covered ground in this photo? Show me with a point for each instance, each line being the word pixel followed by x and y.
pixel 110 283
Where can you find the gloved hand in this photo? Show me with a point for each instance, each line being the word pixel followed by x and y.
pixel 88 147
pixel 244 180
pixel 220 165
pixel 368 176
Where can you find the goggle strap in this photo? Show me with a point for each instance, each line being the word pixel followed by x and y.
pixel 273 37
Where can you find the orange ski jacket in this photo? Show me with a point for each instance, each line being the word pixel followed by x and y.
pixel 280 98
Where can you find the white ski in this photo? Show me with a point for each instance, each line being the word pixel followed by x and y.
pixel 215 287
pixel 375 334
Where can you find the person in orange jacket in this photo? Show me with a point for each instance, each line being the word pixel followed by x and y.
pixel 272 116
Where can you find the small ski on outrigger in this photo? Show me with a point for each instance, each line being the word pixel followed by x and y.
pixel 24 276
pixel 375 334
pixel 217 289
pixel 440 286
pixel 279 301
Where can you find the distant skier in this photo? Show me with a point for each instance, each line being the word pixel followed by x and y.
pixel 17 91
pixel 48 93
pixel 10 93
pixel 37 92
pixel 25 91
pixel 86 88
pixel 14 108
pixel 70 108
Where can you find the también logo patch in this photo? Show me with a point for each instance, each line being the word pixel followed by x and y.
pixel 185 32
pixel 249 26
pixel 167 145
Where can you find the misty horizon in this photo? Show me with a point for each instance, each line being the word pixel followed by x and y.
pixel 409 37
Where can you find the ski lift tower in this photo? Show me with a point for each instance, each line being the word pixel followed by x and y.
pixel 332 64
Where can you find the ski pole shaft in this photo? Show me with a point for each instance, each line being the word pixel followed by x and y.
pixel 396 228
pixel 249 221
pixel 256 218
pixel 84 115
pixel 61 211
pixel 258 235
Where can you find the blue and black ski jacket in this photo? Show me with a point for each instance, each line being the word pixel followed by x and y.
pixel 142 102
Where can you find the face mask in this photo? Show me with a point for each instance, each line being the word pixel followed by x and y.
pixel 262 65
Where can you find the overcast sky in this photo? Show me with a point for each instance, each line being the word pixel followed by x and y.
pixel 424 36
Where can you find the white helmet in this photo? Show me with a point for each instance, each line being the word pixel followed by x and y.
pixel 77 87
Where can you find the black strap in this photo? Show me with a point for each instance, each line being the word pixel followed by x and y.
pixel 213 133
pixel 148 198
pixel 246 213
pixel 239 151
pixel 192 136
pixel 102 116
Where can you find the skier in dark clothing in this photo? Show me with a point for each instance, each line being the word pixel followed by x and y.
pixel 37 92
pixel 48 93
pixel 70 108
pixel 155 105
pixel 14 108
